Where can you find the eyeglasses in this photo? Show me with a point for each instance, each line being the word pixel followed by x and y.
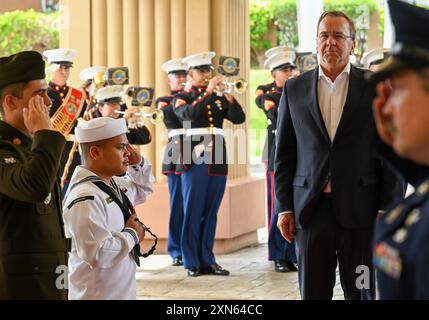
pixel 338 36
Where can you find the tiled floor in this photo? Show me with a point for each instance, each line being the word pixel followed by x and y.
pixel 252 277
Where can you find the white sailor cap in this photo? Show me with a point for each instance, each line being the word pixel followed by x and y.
pixel 110 94
pixel 61 56
pixel 280 60
pixel 89 73
pixel 100 129
pixel 175 66
pixel 375 56
pixel 275 50
pixel 200 60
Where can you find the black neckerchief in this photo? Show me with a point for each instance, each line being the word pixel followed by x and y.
pixel 127 209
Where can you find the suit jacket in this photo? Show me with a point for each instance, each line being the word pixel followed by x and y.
pixel 306 158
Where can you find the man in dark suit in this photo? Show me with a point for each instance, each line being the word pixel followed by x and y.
pixel 329 182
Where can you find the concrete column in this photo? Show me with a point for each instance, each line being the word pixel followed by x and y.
pixel 131 39
pixel 99 32
pixel 76 33
pixel 178 28
pixel 162 54
pixel 146 32
pixel 198 26
pixel 309 12
pixel 389 31
pixel 231 37
pixel 114 33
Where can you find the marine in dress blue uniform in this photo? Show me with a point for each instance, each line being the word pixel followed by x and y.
pixel 176 72
pixel 280 62
pixel 204 161
pixel 60 62
pixel 401 254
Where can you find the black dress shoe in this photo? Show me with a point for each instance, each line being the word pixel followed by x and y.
pixel 177 262
pixel 292 266
pixel 193 272
pixel 214 269
pixel 280 266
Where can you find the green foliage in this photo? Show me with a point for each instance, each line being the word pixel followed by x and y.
pixel 359 11
pixel 286 21
pixel 261 16
pixel 25 30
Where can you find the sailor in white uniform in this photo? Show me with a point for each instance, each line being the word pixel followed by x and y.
pixel 98 212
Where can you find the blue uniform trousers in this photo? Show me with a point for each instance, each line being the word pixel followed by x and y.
pixel 176 216
pixel 278 247
pixel 202 195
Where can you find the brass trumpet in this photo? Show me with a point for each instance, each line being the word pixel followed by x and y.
pixel 238 86
pixel 155 117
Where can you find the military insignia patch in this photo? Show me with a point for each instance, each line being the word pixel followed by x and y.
pixel 423 188
pixel 387 259
pixel 413 217
pixel 10 160
pixel 400 235
pixel 392 215
pixel 71 108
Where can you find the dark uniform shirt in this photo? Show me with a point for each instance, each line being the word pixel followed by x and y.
pixel 171 161
pixel 401 255
pixel 32 240
pixel 205 110
pixel 268 99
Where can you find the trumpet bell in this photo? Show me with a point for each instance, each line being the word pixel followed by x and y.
pixel 157 117
pixel 240 86
pixel 99 80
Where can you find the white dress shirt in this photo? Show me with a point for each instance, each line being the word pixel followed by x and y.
pixel 332 97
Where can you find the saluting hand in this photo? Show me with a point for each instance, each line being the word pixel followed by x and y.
pixel 383 120
pixel 286 225
pixel 36 115
pixel 134 157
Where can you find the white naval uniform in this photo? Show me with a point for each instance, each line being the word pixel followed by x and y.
pixel 101 265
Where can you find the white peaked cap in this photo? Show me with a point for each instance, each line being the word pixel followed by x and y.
pixel 109 92
pixel 100 129
pixel 60 55
pixel 89 73
pixel 174 65
pixel 275 50
pixel 199 59
pixel 372 55
pixel 279 59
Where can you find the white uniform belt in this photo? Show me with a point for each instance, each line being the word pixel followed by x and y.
pixel 202 131
pixel 175 132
